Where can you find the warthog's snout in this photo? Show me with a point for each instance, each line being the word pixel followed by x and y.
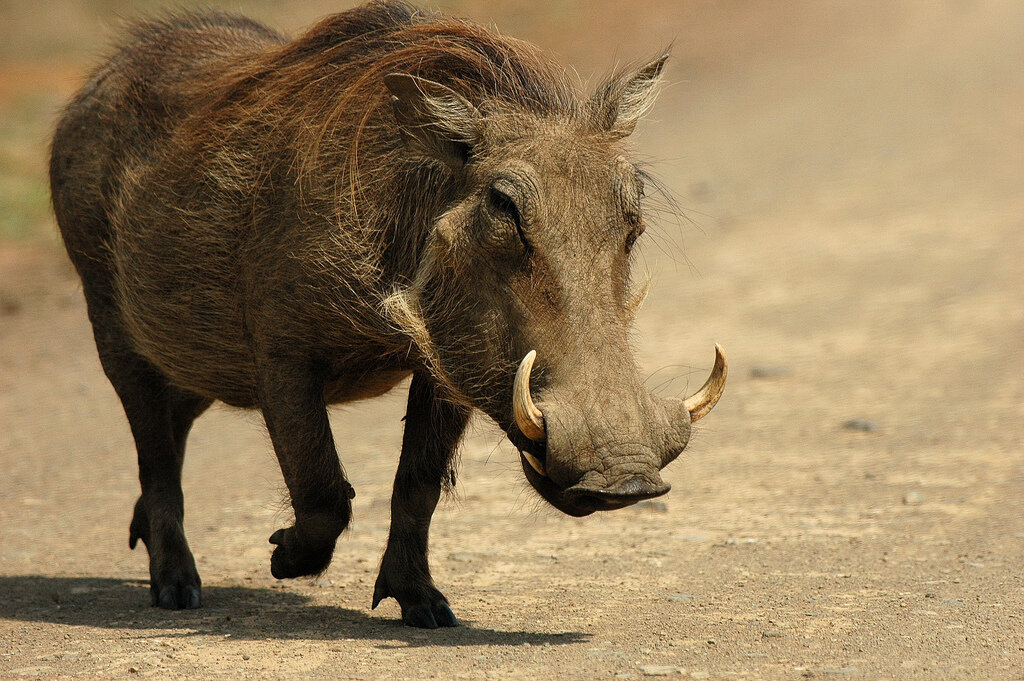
pixel 581 460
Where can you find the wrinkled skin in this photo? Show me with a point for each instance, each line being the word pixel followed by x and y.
pixel 234 246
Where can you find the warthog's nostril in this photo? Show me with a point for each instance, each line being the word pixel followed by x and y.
pixel 627 492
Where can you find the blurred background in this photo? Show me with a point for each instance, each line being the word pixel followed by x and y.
pixel 850 177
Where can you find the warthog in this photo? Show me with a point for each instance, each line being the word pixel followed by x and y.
pixel 285 225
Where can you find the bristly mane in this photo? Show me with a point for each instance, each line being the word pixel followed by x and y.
pixel 392 37
pixel 329 80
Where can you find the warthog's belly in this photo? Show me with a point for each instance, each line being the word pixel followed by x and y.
pixel 351 387
pixel 182 308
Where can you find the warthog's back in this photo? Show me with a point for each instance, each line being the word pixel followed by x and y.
pixel 131 104
pixel 174 292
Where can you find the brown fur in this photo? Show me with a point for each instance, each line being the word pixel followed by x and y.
pixel 284 225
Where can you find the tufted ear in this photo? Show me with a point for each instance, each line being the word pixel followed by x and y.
pixel 627 96
pixel 434 119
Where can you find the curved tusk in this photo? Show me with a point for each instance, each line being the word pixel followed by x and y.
pixel 701 402
pixel 535 463
pixel 529 418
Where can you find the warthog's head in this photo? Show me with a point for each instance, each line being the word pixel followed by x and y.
pixel 524 286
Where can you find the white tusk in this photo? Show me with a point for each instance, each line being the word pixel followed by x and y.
pixel 535 463
pixel 529 418
pixel 701 402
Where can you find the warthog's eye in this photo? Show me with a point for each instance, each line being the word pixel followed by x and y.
pixel 505 206
pixel 631 194
pixel 633 235
pixel 634 215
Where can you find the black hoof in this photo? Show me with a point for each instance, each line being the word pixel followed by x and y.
pixel 444 616
pixel 419 616
pixel 181 592
pixel 422 606
pixel 429 616
pixel 174 582
pixel 178 597
pixel 292 559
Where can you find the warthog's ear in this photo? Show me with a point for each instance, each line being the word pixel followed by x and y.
pixel 434 119
pixel 627 96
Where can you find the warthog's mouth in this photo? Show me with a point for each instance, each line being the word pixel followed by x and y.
pixel 582 499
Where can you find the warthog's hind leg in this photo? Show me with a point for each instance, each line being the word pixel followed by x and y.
pixel 160 416
pixel 433 428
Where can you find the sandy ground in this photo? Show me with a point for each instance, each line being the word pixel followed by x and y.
pixel 852 177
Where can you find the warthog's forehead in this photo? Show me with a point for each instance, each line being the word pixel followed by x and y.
pixel 559 139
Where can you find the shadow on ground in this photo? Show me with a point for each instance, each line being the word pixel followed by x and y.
pixel 233 611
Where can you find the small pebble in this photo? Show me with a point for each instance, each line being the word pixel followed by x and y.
pixel 732 541
pixel 862 425
pixel 912 498
pixel 770 371
pixel 677 598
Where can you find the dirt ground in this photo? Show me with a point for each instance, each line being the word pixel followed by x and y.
pixel 852 178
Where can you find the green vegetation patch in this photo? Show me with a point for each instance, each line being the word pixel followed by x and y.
pixel 27 122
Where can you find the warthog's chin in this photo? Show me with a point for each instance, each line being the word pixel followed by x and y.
pixel 582 499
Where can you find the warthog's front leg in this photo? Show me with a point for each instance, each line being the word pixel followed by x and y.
pixel 292 400
pixel 433 428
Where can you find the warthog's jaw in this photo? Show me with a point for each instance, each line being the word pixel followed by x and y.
pixel 631 482
pixel 583 498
